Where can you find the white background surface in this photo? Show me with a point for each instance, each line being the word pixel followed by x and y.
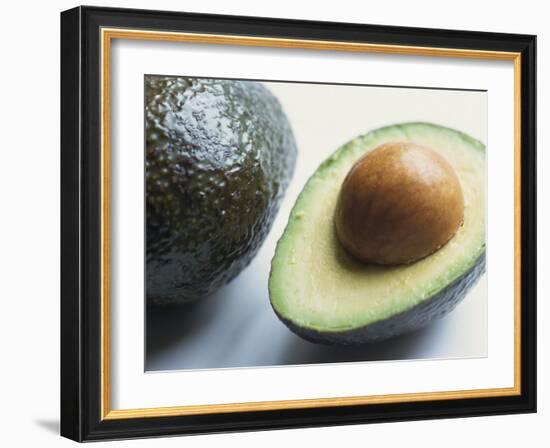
pixel 30 243
pixel 131 388
pixel 230 330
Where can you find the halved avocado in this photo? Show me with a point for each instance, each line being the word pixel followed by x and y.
pixel 325 296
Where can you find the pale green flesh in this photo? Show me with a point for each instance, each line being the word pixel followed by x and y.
pixel 314 284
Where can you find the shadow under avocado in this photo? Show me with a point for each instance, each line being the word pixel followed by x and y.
pixel 229 330
pixel 300 351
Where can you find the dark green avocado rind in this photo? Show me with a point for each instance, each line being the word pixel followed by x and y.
pixel 410 320
pixel 219 156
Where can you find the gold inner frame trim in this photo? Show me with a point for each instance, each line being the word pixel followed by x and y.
pixel 107 35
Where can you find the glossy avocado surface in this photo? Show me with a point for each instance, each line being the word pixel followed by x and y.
pixel 219 155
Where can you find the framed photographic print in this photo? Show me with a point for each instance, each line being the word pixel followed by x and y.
pixel 274 223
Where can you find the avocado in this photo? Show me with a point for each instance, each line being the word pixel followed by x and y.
pixel 325 295
pixel 219 155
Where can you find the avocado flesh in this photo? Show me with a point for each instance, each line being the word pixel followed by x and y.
pixel 324 295
pixel 219 156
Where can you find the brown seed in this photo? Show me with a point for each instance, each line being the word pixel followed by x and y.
pixel 399 203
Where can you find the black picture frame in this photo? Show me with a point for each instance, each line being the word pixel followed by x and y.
pixel 81 413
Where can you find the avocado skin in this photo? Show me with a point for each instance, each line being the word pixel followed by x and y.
pixel 219 156
pixel 413 319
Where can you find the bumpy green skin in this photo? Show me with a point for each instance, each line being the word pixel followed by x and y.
pixel 219 156
pixel 413 319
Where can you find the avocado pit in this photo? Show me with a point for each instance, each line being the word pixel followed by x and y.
pixel 399 203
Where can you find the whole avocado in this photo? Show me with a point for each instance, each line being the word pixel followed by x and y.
pixel 219 155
